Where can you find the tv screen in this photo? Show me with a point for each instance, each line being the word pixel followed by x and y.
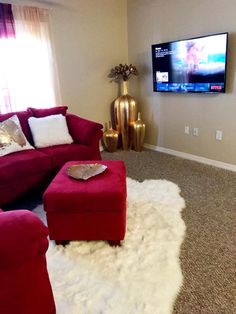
pixel 195 65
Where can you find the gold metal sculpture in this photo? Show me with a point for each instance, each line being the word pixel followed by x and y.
pixel 139 133
pixel 125 114
pixel 125 107
pixel 110 139
pixel 85 171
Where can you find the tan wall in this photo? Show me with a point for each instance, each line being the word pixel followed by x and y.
pixel 156 21
pixel 90 38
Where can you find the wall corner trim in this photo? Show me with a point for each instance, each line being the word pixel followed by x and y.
pixel 200 159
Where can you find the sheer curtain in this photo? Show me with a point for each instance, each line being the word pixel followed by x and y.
pixel 28 63
pixel 7 37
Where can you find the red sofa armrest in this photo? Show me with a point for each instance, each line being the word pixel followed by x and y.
pixel 23 236
pixel 84 131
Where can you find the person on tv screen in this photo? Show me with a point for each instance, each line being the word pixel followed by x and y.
pixel 193 55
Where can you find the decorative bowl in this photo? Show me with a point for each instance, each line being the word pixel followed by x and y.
pixel 85 171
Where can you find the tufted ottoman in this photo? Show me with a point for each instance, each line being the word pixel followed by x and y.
pixel 93 209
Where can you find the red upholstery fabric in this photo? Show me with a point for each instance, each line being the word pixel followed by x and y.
pixel 82 130
pixel 87 210
pixel 21 164
pixel 22 185
pixel 87 226
pixel 23 117
pixel 39 113
pixel 21 240
pixel 21 171
pixel 24 286
pixel 60 154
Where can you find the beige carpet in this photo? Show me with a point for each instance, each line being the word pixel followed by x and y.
pixel 208 254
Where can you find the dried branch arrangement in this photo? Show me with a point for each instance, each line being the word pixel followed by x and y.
pixel 122 71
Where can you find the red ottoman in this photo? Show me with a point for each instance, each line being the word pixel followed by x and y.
pixel 93 209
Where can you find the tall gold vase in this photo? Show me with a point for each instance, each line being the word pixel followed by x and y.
pixel 125 114
pixel 139 133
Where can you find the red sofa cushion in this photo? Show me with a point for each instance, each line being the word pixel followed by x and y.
pixel 62 153
pixel 26 289
pixel 24 234
pixel 40 113
pixel 24 285
pixel 12 190
pixel 83 130
pixel 21 164
pixel 23 117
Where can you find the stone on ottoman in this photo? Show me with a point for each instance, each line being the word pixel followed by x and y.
pixel 93 209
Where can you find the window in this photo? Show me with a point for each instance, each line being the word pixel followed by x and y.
pixel 28 76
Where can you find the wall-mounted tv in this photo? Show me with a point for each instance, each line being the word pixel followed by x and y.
pixel 196 65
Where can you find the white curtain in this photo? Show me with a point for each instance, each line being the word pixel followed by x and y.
pixel 28 65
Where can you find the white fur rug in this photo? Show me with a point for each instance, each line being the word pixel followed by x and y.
pixel 142 276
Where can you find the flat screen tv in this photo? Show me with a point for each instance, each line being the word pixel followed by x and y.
pixel 196 65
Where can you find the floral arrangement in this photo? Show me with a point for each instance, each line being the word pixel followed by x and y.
pixel 122 71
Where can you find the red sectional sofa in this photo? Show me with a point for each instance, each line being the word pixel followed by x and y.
pixel 24 285
pixel 25 170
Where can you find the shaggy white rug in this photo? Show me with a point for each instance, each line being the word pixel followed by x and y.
pixel 142 276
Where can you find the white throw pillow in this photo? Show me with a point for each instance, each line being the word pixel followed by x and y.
pixel 12 138
pixel 49 131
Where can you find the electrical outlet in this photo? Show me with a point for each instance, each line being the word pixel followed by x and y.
pixel 186 129
pixel 219 135
pixel 195 131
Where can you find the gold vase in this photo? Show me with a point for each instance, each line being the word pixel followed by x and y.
pixel 110 139
pixel 125 113
pixel 139 133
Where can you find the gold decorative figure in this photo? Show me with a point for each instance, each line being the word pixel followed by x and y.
pixel 125 113
pixel 139 133
pixel 110 139
pixel 125 107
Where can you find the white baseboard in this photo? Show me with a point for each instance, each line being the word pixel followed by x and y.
pixel 200 159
